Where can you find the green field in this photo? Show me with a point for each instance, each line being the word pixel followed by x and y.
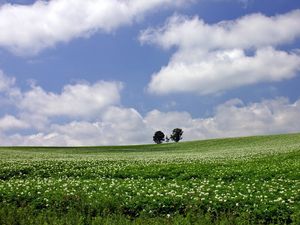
pixel 251 180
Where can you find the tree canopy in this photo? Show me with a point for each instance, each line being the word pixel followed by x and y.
pixel 176 134
pixel 158 137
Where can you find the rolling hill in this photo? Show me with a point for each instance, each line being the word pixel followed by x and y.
pixel 247 180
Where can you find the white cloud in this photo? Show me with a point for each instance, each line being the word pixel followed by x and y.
pixel 233 119
pixel 223 70
pixel 215 57
pixel 5 82
pixel 27 29
pixel 79 100
pixel 90 114
pixel 40 108
pixel 118 125
pixel 115 126
pixel 166 121
pixel 82 114
pixel 37 139
pixel 255 30
pixel 9 122
pixel 266 117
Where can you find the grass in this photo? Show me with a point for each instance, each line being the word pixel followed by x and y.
pixel 249 180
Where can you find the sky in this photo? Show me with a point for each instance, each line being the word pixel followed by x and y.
pixel 112 72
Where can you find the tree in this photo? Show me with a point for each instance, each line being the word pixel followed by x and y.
pixel 158 137
pixel 176 135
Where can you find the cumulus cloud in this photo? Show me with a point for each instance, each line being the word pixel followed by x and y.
pixel 233 118
pixel 92 114
pixel 36 139
pixel 266 117
pixel 166 120
pixel 79 100
pixel 223 70
pixel 115 126
pixel 255 30
pixel 9 122
pixel 27 29
pixel 81 114
pixel 216 57
pixel 126 126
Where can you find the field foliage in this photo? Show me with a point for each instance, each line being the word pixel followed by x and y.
pixel 251 180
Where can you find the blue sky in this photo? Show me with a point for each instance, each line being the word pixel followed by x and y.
pixel 113 72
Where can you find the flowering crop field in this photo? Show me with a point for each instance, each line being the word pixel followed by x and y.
pixel 250 180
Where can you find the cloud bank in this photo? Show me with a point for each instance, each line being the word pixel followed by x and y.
pixel 212 58
pixel 90 120
pixel 27 29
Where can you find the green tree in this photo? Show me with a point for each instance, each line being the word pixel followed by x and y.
pixel 158 137
pixel 176 135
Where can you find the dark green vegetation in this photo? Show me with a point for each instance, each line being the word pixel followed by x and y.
pixel 253 180
pixel 176 134
pixel 158 137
